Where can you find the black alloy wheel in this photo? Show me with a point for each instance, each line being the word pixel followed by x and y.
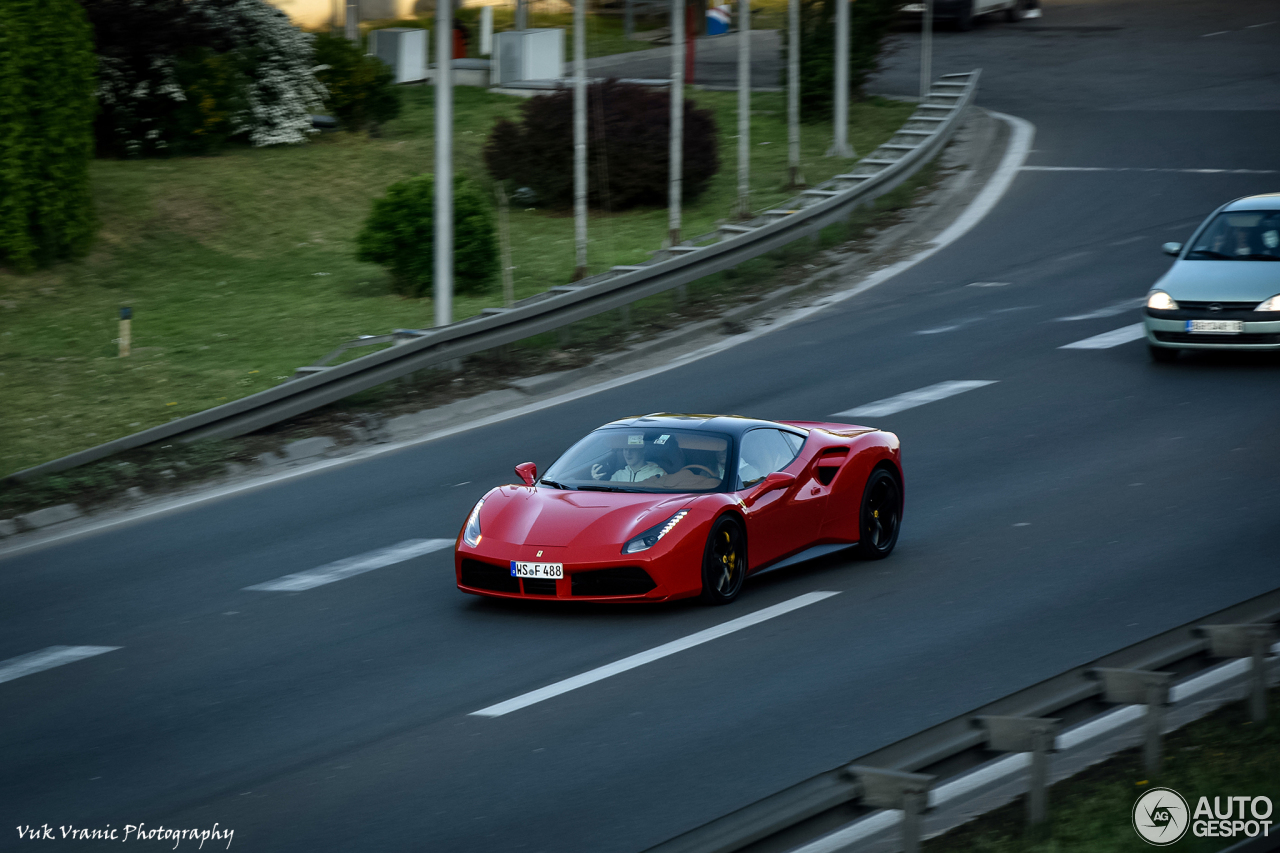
pixel 881 515
pixel 724 563
pixel 1163 355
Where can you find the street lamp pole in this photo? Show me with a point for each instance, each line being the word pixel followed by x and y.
pixel 840 146
pixel 444 164
pixel 580 139
pixel 676 154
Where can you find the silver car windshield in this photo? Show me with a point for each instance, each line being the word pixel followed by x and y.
pixel 630 459
pixel 1239 235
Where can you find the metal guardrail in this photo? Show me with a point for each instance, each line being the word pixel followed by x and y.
pixel 921 138
pixel 830 799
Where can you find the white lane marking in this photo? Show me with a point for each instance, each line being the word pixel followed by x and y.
pixel 1218 33
pixel 988 284
pixel 911 399
pixel 1255 26
pixel 1021 138
pixel 942 329
pixel 1114 338
pixel 611 669
pixel 1137 169
pixel 343 569
pixel 1109 311
pixel 48 659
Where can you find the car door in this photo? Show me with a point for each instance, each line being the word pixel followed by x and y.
pixel 778 524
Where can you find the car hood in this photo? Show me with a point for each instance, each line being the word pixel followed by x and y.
pixel 1222 281
pixel 551 517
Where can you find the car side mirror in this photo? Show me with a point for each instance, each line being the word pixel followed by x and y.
pixel 527 472
pixel 1171 248
pixel 773 482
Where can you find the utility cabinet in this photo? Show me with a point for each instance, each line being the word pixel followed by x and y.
pixel 404 49
pixel 527 55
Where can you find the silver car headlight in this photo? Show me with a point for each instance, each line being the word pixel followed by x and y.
pixel 650 537
pixel 1272 304
pixel 471 533
pixel 1161 301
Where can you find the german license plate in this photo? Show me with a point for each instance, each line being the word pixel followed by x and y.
pixel 1216 327
pixel 554 571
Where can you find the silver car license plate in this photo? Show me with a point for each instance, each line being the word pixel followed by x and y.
pixel 1216 327
pixel 554 571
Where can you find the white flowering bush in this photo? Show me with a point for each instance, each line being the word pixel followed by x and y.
pixel 184 76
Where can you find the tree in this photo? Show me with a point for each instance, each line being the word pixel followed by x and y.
pixel 46 132
pixel 400 235
pixel 361 88
pixel 869 23
pixel 629 152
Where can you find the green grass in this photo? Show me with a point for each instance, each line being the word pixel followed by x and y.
pixel 240 268
pixel 1220 755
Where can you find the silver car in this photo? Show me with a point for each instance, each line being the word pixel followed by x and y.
pixel 1223 291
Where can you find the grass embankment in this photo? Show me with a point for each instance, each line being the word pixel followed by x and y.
pixel 1222 755
pixel 241 267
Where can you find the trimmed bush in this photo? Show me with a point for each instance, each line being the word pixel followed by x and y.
pixel 628 129
pixel 869 23
pixel 180 76
pixel 400 235
pixel 46 138
pixel 361 88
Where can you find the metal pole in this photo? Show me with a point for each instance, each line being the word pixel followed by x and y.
pixel 675 180
pixel 352 29
pixel 926 51
pixel 1154 729
pixel 522 14
pixel 793 92
pixel 1258 675
pixel 840 146
pixel 580 138
pixel 444 163
pixel 1038 796
pixel 126 331
pixel 913 806
pixel 486 30
pixel 744 108
pixel 629 20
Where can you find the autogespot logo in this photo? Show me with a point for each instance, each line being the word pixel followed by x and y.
pixel 1160 816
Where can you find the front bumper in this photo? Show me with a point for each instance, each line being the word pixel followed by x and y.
pixel 1167 331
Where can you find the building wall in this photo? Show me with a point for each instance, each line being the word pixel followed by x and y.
pixel 313 14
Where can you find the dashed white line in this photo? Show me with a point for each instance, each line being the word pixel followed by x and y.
pixel 352 566
pixel 48 659
pixel 1114 338
pixel 666 649
pixel 1218 33
pixel 911 399
pixel 1109 311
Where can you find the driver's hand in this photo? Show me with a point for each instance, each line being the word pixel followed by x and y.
pixel 597 472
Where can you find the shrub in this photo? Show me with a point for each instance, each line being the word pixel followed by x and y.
pixel 46 139
pixel 400 235
pixel 869 23
pixel 628 128
pixel 361 88
pixel 180 76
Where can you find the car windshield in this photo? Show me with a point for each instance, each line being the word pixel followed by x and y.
pixel 631 459
pixel 1239 235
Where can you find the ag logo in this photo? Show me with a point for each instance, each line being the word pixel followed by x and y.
pixel 1160 816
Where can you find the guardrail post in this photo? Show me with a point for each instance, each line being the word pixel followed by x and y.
pixel 1140 687
pixel 893 789
pixel 1026 734
pixel 1244 641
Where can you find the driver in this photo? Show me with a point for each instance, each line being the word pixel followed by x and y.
pixel 636 467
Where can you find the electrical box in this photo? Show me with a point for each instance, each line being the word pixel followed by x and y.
pixel 527 55
pixel 404 49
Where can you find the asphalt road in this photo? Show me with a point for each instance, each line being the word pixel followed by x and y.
pixel 1084 501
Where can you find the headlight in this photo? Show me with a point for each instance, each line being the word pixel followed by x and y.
pixel 471 533
pixel 650 537
pixel 1272 304
pixel 1161 301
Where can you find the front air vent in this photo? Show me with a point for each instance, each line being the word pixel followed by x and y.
pixel 539 586
pixel 480 575
pixel 622 580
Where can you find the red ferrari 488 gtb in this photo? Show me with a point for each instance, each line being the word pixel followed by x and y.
pixel 672 506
